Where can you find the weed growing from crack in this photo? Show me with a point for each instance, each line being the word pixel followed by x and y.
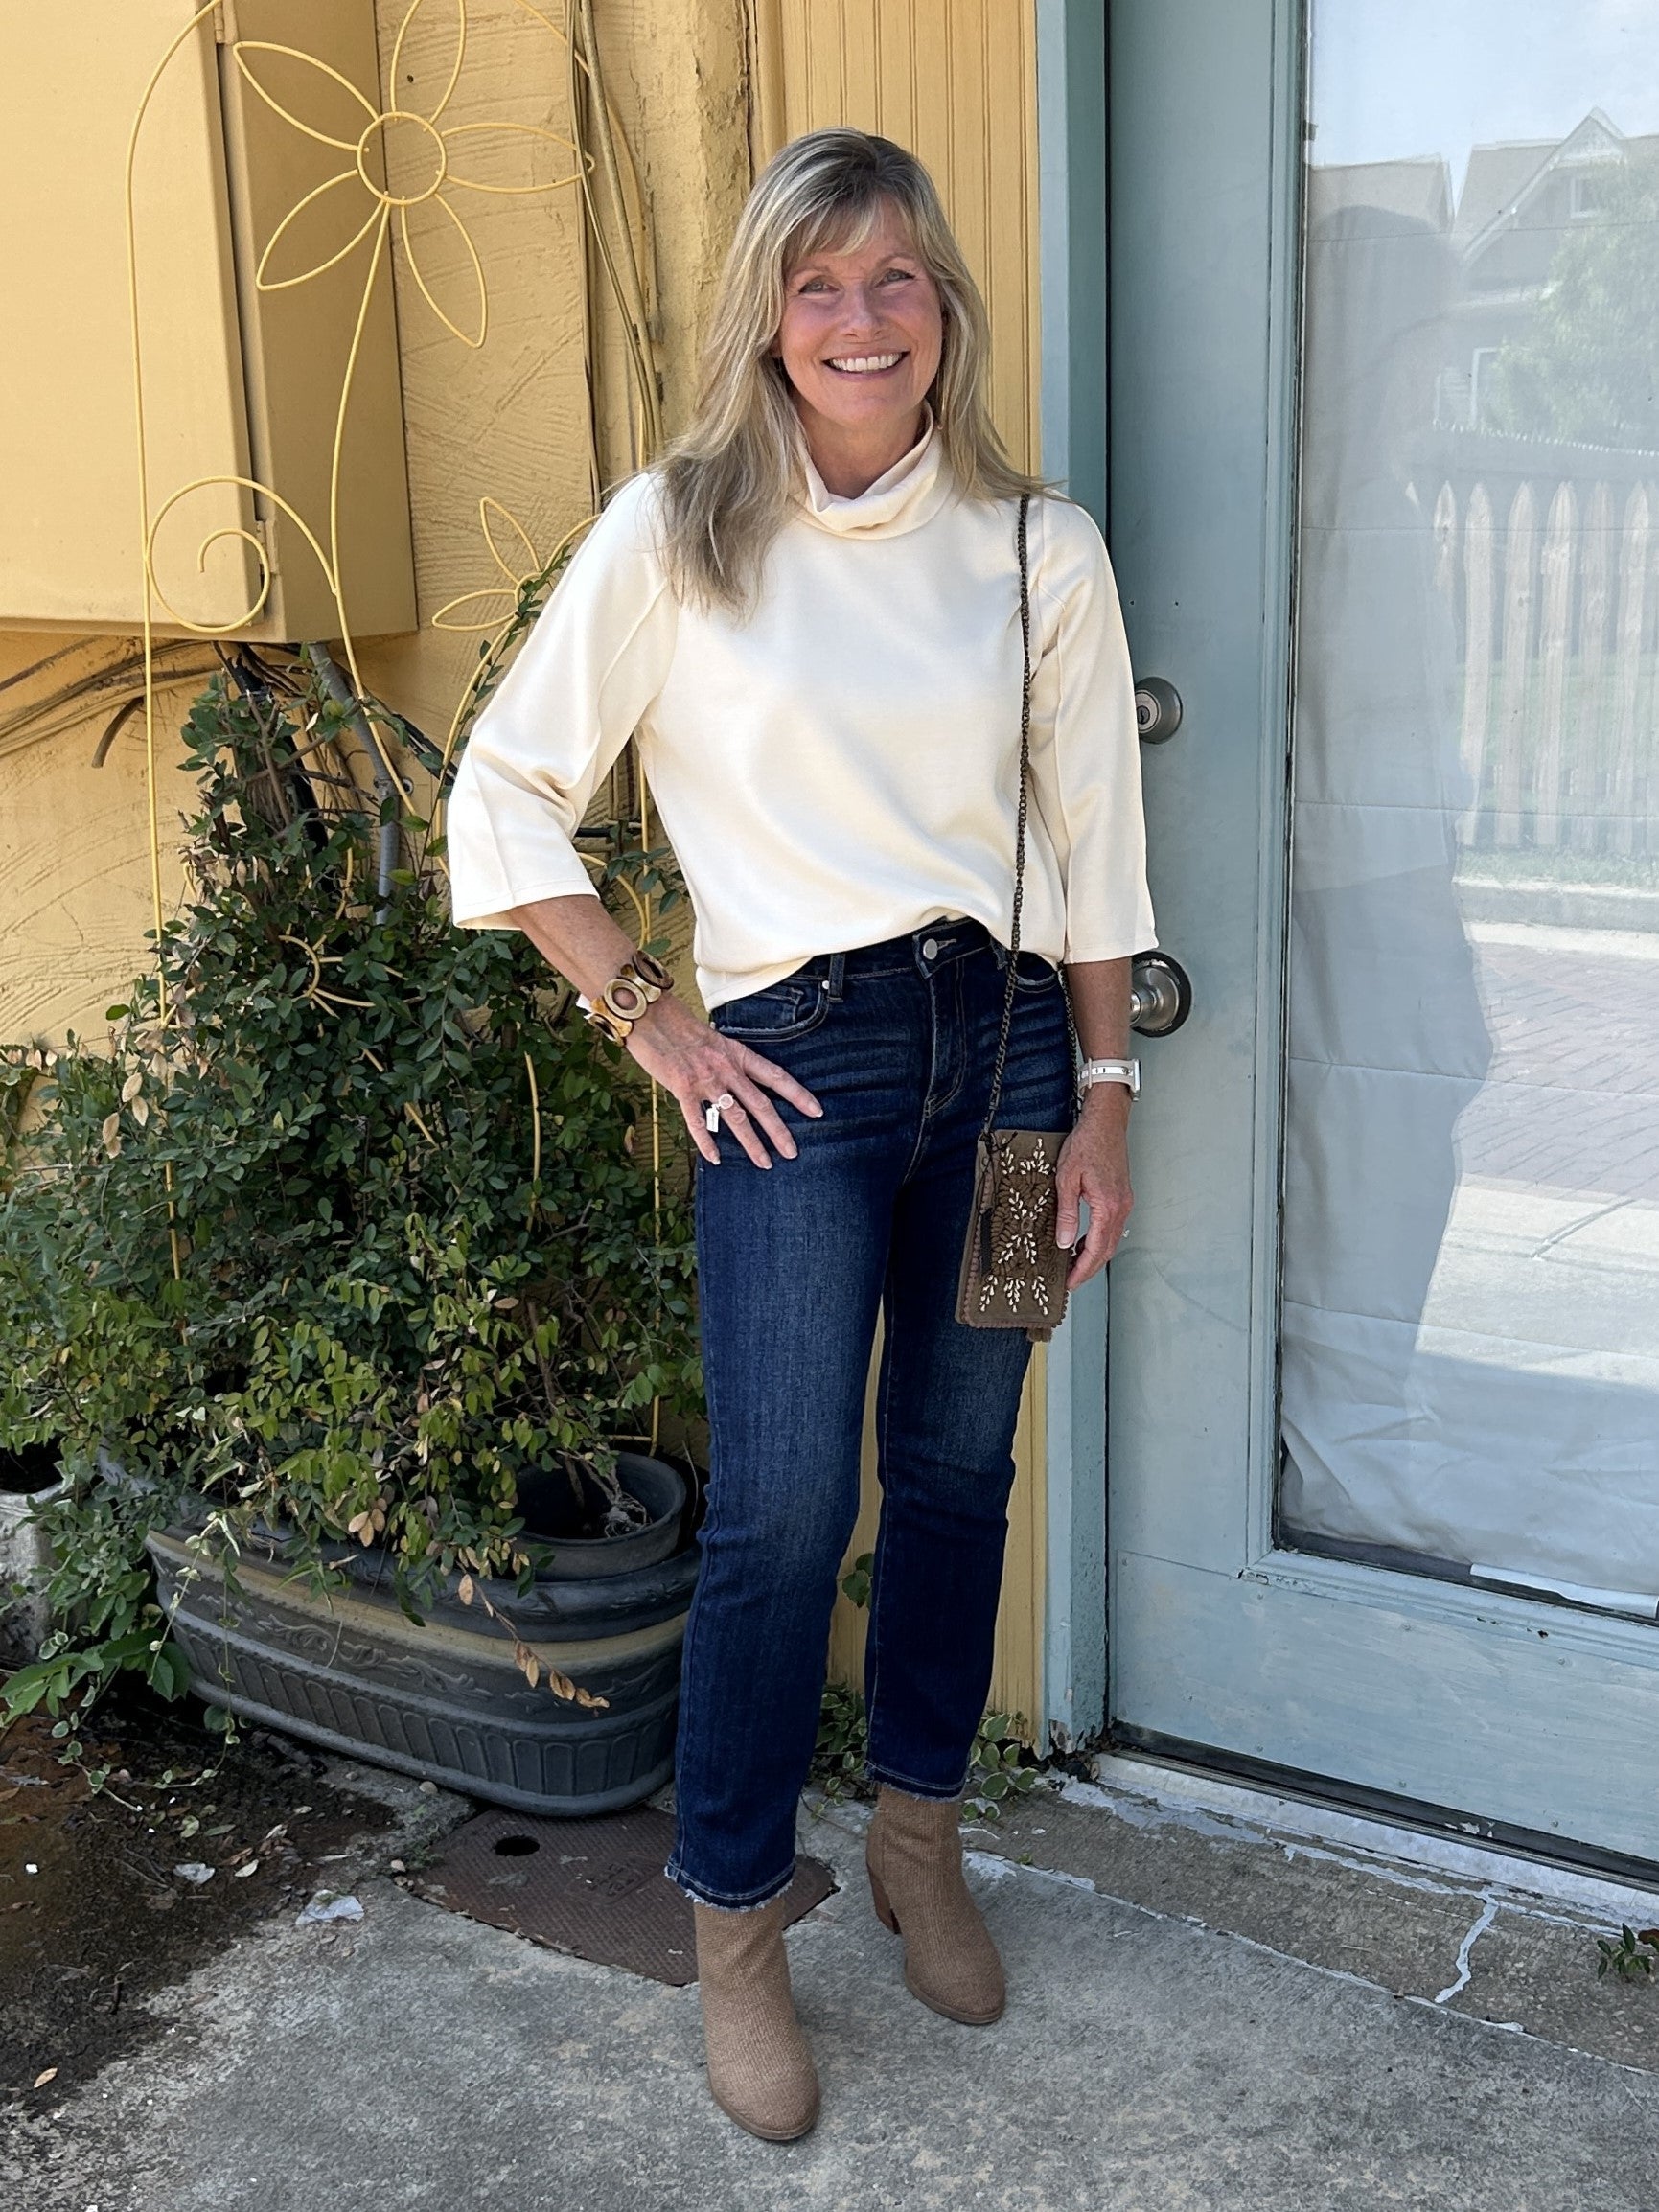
pixel 1630 1955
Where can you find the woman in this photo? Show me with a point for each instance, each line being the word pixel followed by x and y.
pixel 810 613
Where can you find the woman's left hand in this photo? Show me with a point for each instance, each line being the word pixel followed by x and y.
pixel 1094 1168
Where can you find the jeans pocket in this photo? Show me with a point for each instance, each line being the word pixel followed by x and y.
pixel 1034 973
pixel 774 1015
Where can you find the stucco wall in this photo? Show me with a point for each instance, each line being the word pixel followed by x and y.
pixel 75 893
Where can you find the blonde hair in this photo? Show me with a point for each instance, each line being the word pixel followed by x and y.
pixel 728 482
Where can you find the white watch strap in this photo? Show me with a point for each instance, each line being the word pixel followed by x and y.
pixel 1095 1071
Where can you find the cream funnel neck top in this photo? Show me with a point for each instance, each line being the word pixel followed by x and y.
pixel 842 765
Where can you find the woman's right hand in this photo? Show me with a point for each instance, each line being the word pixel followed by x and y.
pixel 699 1065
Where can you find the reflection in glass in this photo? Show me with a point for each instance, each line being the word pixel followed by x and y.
pixel 1471 1248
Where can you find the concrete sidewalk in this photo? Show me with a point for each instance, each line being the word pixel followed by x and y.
pixel 1216 2001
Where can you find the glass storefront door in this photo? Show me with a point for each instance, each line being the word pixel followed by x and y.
pixel 1383 418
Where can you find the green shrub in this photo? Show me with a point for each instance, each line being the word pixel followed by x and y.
pixel 350 1221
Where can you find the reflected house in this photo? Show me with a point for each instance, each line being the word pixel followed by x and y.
pixel 1517 203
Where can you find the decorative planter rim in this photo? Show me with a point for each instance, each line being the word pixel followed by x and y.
pixel 583 1605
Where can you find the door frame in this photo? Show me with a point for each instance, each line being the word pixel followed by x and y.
pixel 1073 334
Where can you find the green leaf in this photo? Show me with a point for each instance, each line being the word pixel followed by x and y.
pixel 856 1581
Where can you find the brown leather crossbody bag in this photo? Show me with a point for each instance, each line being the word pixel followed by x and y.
pixel 1013 1274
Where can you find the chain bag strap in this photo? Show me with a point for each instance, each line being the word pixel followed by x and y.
pixel 1013 1273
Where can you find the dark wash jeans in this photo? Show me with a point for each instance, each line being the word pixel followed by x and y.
pixel 897 1042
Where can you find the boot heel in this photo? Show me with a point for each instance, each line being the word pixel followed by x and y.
pixel 885 1912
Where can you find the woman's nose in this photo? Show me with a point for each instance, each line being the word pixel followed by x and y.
pixel 861 310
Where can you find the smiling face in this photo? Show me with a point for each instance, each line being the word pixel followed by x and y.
pixel 859 340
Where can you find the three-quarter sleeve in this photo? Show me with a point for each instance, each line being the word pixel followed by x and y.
pixel 1085 750
pixel 595 659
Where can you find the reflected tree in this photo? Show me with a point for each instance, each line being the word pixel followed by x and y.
pixel 1588 369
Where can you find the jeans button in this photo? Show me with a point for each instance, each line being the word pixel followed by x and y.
pixel 931 950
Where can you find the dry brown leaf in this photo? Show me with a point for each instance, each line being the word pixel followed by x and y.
pixel 465 1590
pixel 110 1133
pixel 140 1112
pixel 562 1686
pixel 133 1085
pixel 50 2075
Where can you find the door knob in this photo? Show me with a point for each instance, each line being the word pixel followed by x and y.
pixel 1157 709
pixel 1159 995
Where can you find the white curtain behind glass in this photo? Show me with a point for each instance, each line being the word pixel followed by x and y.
pixel 1472 1240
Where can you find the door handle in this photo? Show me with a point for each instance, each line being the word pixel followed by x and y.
pixel 1157 710
pixel 1159 995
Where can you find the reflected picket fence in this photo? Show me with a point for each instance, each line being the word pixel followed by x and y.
pixel 1551 575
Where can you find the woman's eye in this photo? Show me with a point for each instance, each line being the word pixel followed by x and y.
pixel 899 276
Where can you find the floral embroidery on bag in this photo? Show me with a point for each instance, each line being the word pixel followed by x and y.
pixel 1022 1211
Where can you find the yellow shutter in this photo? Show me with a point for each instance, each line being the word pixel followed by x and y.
pixel 234 384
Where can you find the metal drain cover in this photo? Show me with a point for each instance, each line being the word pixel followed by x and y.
pixel 594 1888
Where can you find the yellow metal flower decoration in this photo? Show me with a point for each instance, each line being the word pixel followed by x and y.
pixel 494 603
pixel 493 606
pixel 399 146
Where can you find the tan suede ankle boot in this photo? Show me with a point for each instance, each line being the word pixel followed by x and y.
pixel 760 2071
pixel 914 1856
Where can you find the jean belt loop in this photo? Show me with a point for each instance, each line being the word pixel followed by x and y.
pixel 837 969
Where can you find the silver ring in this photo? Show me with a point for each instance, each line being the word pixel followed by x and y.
pixel 715 1108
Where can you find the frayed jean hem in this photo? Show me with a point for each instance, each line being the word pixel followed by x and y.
pixel 753 1902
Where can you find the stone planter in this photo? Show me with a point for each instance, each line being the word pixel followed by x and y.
pixel 28 1478
pixel 445 1701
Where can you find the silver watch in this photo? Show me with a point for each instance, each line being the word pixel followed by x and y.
pixel 1095 1071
